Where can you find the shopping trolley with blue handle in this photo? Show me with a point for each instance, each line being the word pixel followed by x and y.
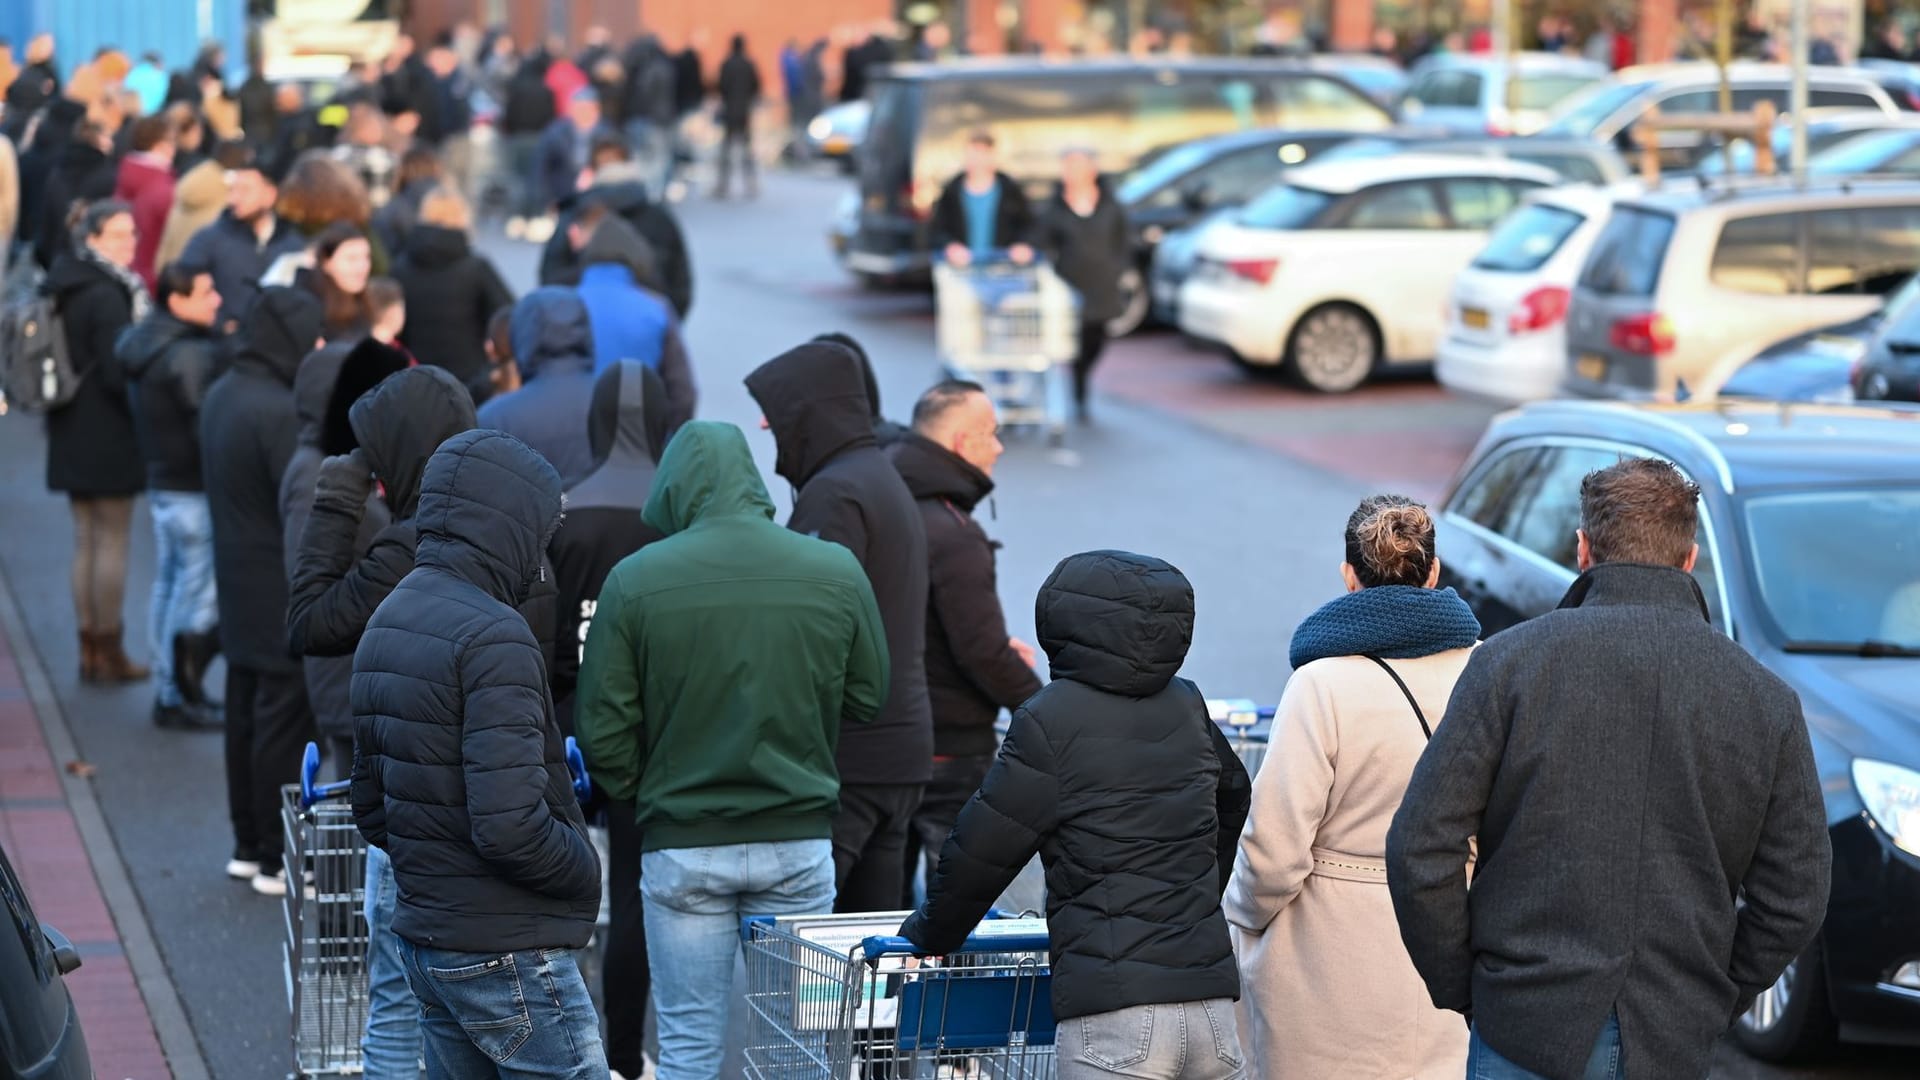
pixel 1248 726
pixel 1011 328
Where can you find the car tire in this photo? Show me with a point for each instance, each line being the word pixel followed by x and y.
pixel 1333 348
pixel 1790 1020
pixel 1138 305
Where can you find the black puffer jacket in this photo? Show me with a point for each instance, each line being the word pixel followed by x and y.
pixel 458 771
pixel 91 445
pixel 972 671
pixel 169 365
pixel 815 402
pixel 248 430
pixel 620 189
pixel 1129 793
pixel 452 293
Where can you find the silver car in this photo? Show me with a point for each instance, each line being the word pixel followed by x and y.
pixel 1494 95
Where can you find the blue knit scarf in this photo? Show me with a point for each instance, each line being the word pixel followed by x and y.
pixel 1398 622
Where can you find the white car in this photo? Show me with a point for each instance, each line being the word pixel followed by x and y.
pixel 1345 266
pixel 1506 336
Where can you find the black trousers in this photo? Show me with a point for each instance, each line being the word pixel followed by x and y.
pixel 870 844
pixel 955 779
pixel 736 144
pixel 268 727
pixel 626 980
pixel 1093 342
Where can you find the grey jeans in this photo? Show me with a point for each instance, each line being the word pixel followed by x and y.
pixel 1193 1040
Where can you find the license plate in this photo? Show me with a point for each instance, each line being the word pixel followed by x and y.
pixel 1474 318
pixel 1591 368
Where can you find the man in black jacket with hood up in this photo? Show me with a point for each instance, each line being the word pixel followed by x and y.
pixel 248 429
pixel 815 402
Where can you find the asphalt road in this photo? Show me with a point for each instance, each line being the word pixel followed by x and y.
pixel 1244 486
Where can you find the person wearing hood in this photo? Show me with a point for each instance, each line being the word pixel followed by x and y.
pixel 722 665
pixel 885 432
pixel 249 427
pixel 246 239
pixel 198 198
pixel 1372 672
pixel 170 358
pixel 1132 797
pixel 630 321
pixel 814 401
pixel 460 777
pixel 1083 231
pixel 618 184
pixel 974 667
pixel 83 172
pixel 553 344
pixel 452 291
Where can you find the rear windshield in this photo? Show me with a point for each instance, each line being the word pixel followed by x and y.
pixel 1626 258
pixel 1284 206
pixel 1528 238
pixel 1546 91
pixel 1581 114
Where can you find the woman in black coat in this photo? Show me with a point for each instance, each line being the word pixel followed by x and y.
pixel 1083 229
pixel 83 171
pixel 92 454
pixel 451 292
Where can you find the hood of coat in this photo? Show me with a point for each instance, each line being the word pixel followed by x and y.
pixel 146 341
pixel 615 241
pixel 550 332
pixel 201 188
pixel 330 381
pixel 1116 621
pixel 71 273
pixel 934 472
pixel 488 506
pixel 626 420
pixel 435 247
pixel 280 328
pixel 621 186
pixel 402 421
pixel 707 472
pixel 815 401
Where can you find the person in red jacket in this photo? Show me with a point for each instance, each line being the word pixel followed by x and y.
pixel 145 182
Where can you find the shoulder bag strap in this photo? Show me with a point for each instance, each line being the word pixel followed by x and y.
pixel 1401 683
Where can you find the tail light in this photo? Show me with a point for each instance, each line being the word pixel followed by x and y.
pixel 1650 334
pixel 1256 270
pixel 1913 100
pixel 1541 309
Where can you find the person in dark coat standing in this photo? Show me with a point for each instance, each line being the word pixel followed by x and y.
pixel 1083 230
pixel 33 86
pixel 982 213
pixel 739 86
pixel 83 172
pixel 553 344
pixel 245 240
pixel 525 114
pixel 459 774
pixel 249 428
pixel 566 147
pixel 170 359
pixel 619 186
pixel 885 432
pixel 1652 841
pixel 93 453
pixel 452 291
pixel 814 400
pixel 1132 797
pixel 974 667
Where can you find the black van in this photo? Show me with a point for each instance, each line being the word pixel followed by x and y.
pixel 1128 109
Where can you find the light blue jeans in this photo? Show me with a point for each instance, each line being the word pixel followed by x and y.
pixel 183 591
pixel 1485 1063
pixel 390 1049
pixel 695 899
pixel 522 1015
pixel 1192 1040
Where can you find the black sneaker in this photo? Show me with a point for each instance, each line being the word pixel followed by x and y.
pixel 187 717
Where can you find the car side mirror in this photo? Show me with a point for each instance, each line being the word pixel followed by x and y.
pixel 66 958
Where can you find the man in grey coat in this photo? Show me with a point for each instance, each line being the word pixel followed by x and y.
pixel 1652 841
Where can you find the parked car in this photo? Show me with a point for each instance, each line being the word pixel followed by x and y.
pixel 1578 161
pixel 40 1037
pixel 1687 283
pixel 1877 153
pixel 1888 366
pixel 1898 78
pixel 1494 95
pixel 1345 266
pixel 1173 262
pixel 1128 108
pixel 1817 366
pixel 1384 80
pixel 1810 559
pixel 837 132
pixel 1506 329
pixel 1824 132
pixel 1608 110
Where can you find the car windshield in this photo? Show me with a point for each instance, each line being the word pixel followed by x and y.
pixel 1285 206
pixel 1527 239
pixel 1163 170
pixel 1581 115
pixel 1866 153
pixel 1546 91
pixel 1839 570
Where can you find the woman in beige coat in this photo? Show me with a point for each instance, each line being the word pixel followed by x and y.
pixel 1327 990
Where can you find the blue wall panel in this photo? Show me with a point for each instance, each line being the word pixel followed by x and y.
pixel 172 26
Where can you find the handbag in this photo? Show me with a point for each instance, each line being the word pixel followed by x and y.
pixel 1401 683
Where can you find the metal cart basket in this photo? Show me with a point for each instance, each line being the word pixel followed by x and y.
pixel 1248 726
pixel 326 957
pixel 1009 328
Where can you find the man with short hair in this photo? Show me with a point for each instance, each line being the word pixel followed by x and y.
pixel 1652 840
pixel 145 183
pixel 974 668
pixel 982 212
pixel 244 241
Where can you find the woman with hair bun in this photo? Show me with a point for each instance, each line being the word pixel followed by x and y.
pixel 1327 989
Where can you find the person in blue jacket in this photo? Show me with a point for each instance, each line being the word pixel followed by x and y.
pixel 629 318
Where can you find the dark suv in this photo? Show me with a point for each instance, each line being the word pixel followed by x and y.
pixel 40 1035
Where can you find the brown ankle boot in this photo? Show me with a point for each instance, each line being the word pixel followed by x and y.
pixel 89 657
pixel 115 665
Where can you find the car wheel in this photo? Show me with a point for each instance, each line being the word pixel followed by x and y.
pixel 1875 386
pixel 1790 1020
pixel 1333 348
pixel 1137 303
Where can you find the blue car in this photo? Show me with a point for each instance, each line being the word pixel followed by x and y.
pixel 40 1035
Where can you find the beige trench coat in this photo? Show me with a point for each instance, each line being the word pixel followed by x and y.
pixel 1327 989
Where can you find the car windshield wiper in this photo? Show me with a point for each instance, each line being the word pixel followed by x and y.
pixel 1852 648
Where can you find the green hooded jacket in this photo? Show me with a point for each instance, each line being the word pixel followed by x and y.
pixel 723 658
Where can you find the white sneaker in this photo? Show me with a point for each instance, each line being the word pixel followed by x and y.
pixel 243 869
pixel 539 230
pixel 516 228
pixel 274 884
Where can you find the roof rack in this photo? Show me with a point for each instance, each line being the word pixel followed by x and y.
pixel 1756 125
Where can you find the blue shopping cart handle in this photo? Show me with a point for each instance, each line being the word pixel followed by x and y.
pixel 874 948
pixel 311 792
pixel 577 767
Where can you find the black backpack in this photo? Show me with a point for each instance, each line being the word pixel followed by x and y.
pixel 36 373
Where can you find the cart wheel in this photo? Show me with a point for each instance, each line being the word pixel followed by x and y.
pixel 1333 348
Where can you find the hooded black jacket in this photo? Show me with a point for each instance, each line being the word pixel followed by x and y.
pixel 972 672
pixel 815 402
pixel 451 293
pixel 81 173
pixel 627 421
pixel 673 266
pixel 458 770
pixel 91 446
pixel 169 365
pixel 1132 797
pixel 248 430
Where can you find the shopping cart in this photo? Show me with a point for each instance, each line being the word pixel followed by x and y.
pixel 326 956
pixel 1012 329
pixel 843 997
pixel 1248 726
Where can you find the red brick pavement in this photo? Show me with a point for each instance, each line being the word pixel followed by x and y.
pixel 42 841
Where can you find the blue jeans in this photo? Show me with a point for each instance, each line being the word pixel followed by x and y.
pixel 183 592
pixel 516 1016
pixel 1194 1040
pixel 1485 1063
pixel 390 1049
pixel 695 899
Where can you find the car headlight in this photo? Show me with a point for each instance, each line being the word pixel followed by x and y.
pixel 820 127
pixel 1891 794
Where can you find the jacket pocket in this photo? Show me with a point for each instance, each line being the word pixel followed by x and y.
pixel 487 1000
pixel 1117 1040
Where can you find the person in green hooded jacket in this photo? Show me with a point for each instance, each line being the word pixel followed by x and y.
pixel 719 667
